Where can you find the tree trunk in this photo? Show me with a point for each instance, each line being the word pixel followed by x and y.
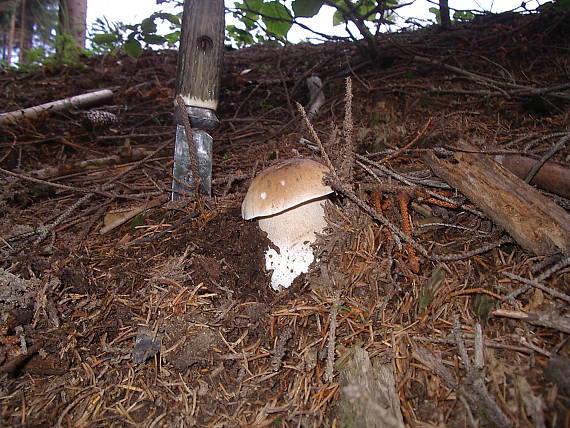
pixel 11 34
pixel 72 18
pixel 23 19
pixel 444 14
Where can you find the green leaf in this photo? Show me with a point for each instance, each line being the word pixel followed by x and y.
pixel 482 304
pixel 277 18
pixel 106 38
pixel 427 292
pixel 435 11
pixel 306 8
pixel 172 37
pixel 365 9
pixel 338 18
pixel 133 48
pixel 154 39
pixel 254 5
pixel 148 26
pixel 173 19
pixel 138 220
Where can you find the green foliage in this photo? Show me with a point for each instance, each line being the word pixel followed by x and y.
pixel 133 47
pixel 557 5
pixel 458 15
pixel 482 305
pixel 273 19
pixel 277 18
pixel 462 16
pixel 248 15
pixel 428 291
pixel 106 37
pixel 241 37
pixel 306 8
pixel 362 10
pixel 133 39
pixel 67 52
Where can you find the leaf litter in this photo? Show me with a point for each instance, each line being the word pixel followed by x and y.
pixel 170 320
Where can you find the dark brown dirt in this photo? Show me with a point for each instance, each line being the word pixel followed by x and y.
pixel 169 320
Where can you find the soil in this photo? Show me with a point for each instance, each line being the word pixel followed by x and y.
pixel 168 319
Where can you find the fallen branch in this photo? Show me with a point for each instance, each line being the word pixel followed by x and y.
pixel 533 220
pixel 83 100
pixel 551 177
pixel 550 319
pixel 535 283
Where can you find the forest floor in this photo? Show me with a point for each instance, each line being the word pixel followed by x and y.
pixel 168 319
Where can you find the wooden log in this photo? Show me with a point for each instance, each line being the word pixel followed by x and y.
pixel 533 220
pixel 83 100
pixel 551 177
pixel 368 396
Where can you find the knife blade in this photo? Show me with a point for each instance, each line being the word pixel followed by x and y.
pixel 198 83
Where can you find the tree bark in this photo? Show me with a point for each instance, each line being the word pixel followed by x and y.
pixel 11 34
pixel 200 53
pixel 444 14
pixel 72 18
pixel 22 44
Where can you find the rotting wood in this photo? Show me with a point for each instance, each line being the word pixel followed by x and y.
pixel 551 177
pixel 82 100
pixel 368 395
pixel 534 221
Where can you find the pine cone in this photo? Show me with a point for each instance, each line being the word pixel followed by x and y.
pixel 96 119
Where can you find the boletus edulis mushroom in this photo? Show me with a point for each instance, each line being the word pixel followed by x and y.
pixel 288 201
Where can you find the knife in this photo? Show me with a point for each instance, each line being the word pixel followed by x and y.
pixel 197 84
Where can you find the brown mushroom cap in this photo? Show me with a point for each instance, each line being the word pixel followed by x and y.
pixel 284 186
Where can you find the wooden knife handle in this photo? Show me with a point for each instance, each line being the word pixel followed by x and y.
pixel 200 54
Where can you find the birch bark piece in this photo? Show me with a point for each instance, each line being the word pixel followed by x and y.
pixel 83 100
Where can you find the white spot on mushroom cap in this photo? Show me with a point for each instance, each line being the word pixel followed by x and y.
pixel 263 195
pixel 282 182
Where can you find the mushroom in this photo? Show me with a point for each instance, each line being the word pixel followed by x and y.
pixel 288 200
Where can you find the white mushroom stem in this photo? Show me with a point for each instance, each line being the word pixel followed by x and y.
pixel 293 232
